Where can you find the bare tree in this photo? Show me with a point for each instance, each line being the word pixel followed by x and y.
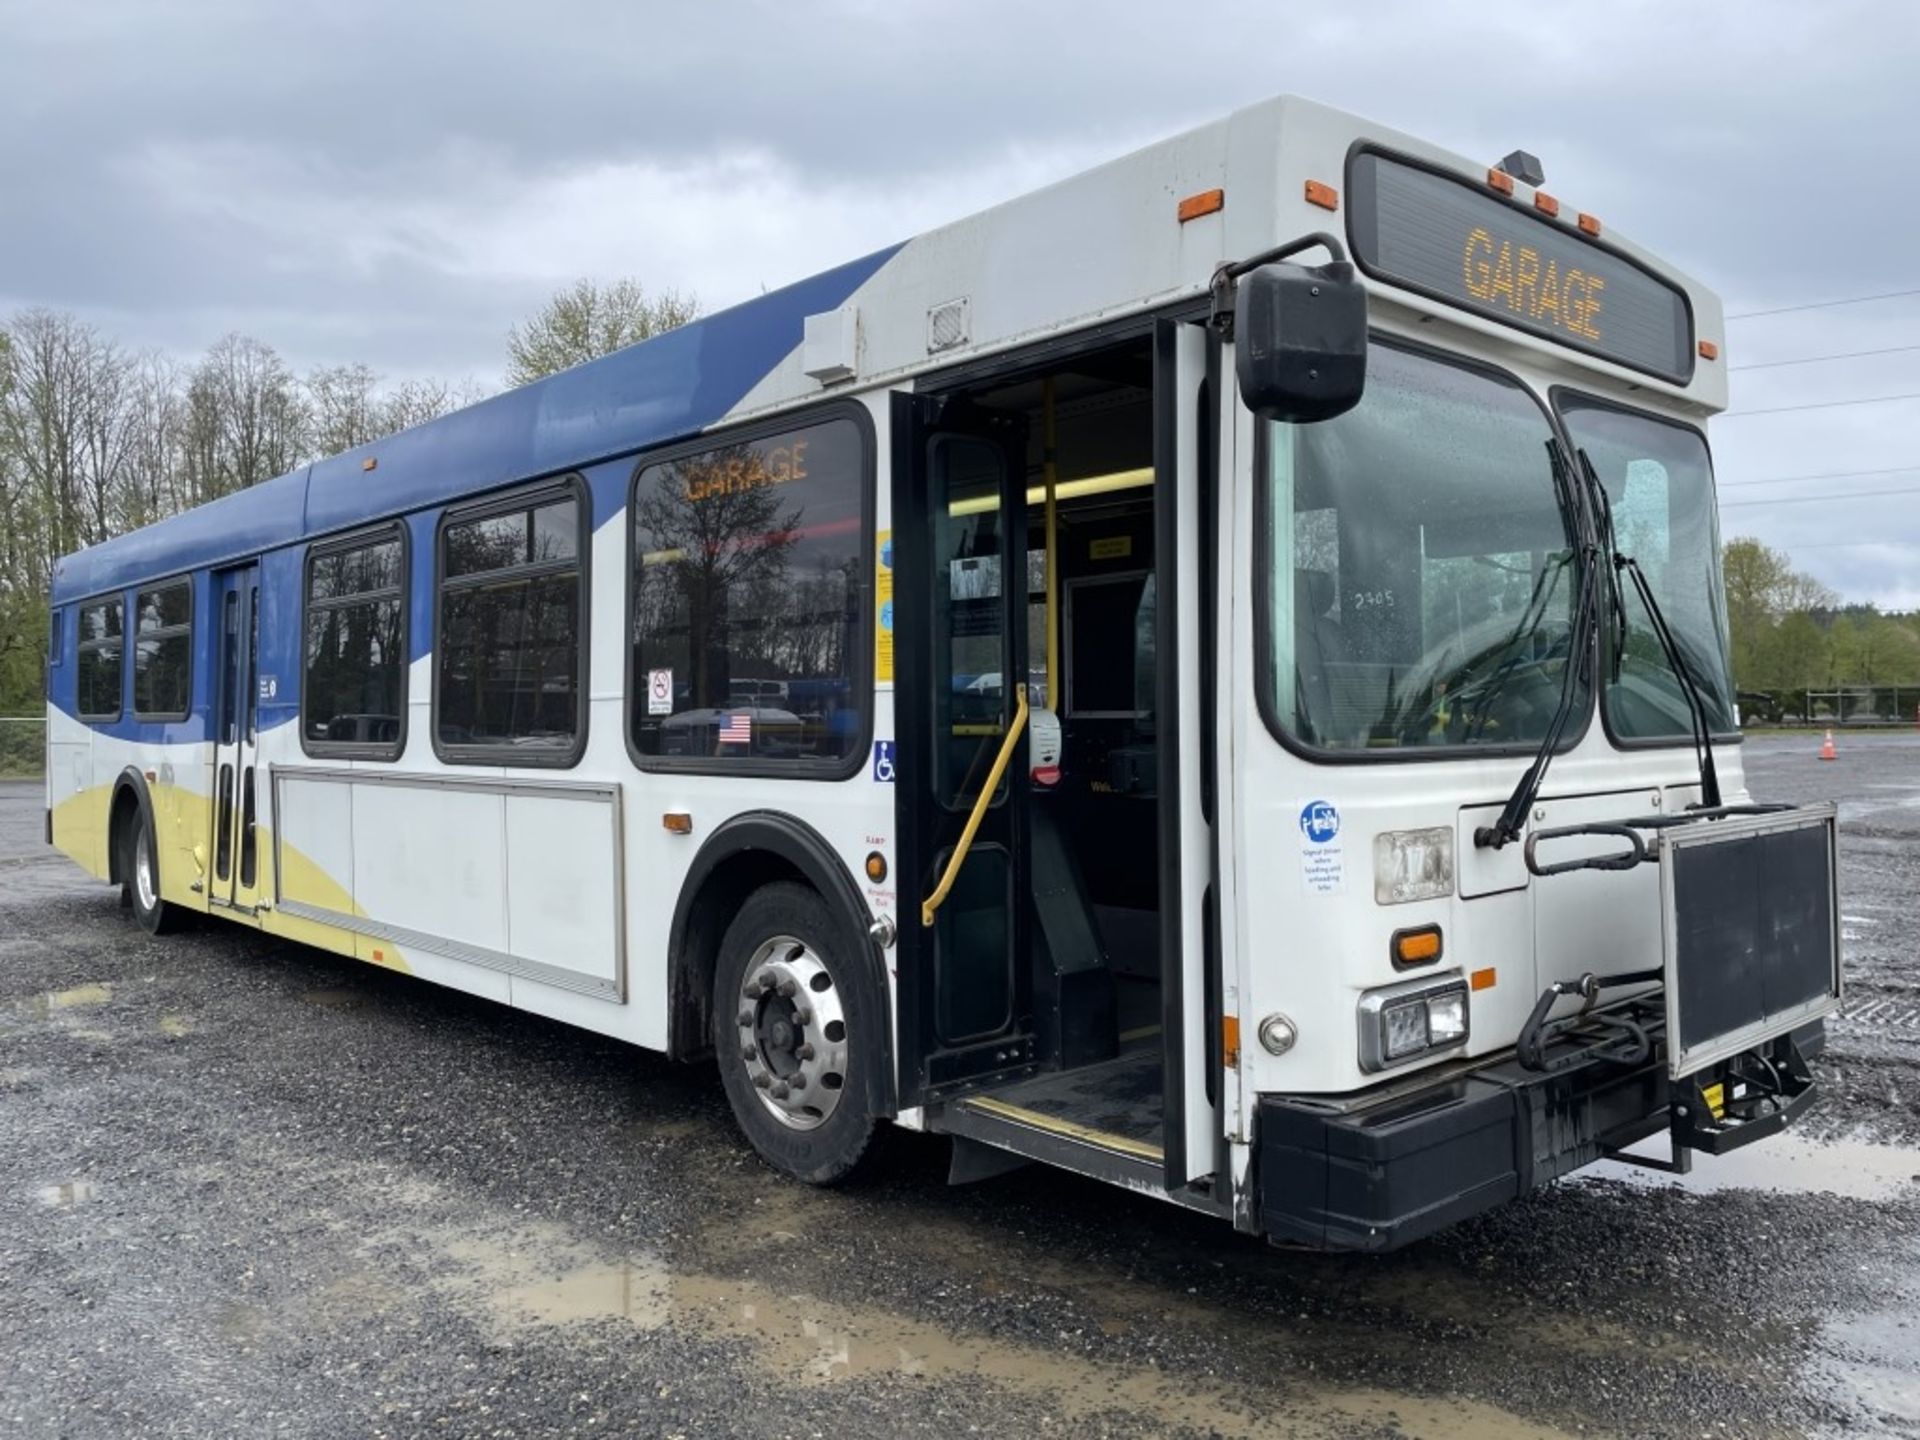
pixel 43 419
pixel 344 408
pixel 587 320
pixel 157 417
pixel 246 419
pixel 414 402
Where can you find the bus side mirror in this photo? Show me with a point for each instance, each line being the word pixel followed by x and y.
pixel 1300 340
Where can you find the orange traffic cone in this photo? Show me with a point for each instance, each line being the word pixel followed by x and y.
pixel 1827 752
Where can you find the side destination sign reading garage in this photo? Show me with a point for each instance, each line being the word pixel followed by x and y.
pixel 1444 237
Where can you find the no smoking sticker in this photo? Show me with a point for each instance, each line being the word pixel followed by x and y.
pixel 659 692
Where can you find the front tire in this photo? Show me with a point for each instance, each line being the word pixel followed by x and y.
pixel 794 1037
pixel 156 916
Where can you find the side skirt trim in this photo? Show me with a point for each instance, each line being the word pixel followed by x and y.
pixel 457 950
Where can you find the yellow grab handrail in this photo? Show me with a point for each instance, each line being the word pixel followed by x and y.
pixel 959 857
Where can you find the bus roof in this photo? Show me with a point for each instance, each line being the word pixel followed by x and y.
pixel 665 388
pixel 1099 245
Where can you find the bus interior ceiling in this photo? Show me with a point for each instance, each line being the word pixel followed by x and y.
pixel 1095 830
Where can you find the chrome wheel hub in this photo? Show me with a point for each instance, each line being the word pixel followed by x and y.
pixel 793 1033
pixel 143 870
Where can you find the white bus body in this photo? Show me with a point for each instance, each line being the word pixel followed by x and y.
pixel 568 806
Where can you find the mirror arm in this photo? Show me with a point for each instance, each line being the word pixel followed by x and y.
pixel 1221 285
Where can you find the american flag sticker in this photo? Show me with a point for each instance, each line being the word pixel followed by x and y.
pixel 736 730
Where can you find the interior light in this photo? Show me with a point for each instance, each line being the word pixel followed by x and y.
pixel 1065 490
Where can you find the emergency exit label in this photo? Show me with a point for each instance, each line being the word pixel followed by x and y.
pixel 1323 869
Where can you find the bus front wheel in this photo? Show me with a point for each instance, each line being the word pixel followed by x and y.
pixel 792 1036
pixel 141 866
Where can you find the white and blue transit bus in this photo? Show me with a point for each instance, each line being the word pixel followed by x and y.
pixel 1212 675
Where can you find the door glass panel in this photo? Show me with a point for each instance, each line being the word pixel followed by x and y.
pixel 223 827
pixel 247 851
pixel 229 665
pixel 974 965
pixel 250 701
pixel 972 692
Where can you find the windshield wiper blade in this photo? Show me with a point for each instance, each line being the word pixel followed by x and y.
pixel 1513 817
pixel 1690 690
pixel 1509 657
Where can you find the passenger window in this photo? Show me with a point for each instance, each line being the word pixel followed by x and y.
pixel 163 652
pixel 511 648
pixel 354 696
pixel 101 659
pixel 750 611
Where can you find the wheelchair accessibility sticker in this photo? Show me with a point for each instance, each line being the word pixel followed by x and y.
pixel 1322 858
pixel 883 762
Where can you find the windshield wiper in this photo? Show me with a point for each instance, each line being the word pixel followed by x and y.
pixel 1624 564
pixel 1508 659
pixel 1513 818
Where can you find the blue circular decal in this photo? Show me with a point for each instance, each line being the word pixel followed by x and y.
pixel 1319 821
pixel 886 615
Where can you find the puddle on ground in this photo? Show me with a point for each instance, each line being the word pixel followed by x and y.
pixel 332 999
pixel 1784 1164
pixel 79 997
pixel 1873 1363
pixel 174 1026
pixel 552 1282
pixel 73 1192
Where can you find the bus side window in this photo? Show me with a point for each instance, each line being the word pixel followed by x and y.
pixel 750 630
pixel 102 659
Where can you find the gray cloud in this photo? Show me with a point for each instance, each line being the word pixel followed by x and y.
pixel 399 183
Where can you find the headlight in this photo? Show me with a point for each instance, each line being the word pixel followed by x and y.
pixel 1402 1022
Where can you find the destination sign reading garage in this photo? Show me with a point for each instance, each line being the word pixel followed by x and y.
pixel 1446 238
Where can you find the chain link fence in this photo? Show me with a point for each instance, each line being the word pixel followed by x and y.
pixel 1842 705
pixel 23 747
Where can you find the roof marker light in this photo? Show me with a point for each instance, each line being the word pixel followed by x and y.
pixel 1709 350
pixel 1323 195
pixel 1545 203
pixel 1205 203
pixel 1589 224
pixel 1501 181
pixel 372 462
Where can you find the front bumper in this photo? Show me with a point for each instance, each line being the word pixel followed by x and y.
pixel 1384 1175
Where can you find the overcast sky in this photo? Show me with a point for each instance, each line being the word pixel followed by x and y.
pixel 399 182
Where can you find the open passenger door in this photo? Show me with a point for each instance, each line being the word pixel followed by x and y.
pixel 960 710
pixel 1185 451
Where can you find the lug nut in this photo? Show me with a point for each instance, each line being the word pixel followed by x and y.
pixel 805 1052
pixel 782 1090
pixel 763 1080
pixel 803 1016
pixel 788 989
pixel 749 1052
pixel 746 1017
pixel 799 1082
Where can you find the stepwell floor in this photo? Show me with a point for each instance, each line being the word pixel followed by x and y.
pixel 1115 1104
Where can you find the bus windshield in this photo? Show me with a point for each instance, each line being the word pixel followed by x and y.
pixel 1659 485
pixel 1419 573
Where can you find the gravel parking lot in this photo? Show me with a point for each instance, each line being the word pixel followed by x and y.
pixel 252 1189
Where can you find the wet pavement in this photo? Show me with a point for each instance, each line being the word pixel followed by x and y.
pixel 252 1189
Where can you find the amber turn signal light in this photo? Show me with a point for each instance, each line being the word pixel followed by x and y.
pixel 1416 947
pixel 1205 203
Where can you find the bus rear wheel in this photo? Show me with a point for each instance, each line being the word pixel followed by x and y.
pixel 793 1038
pixel 141 866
